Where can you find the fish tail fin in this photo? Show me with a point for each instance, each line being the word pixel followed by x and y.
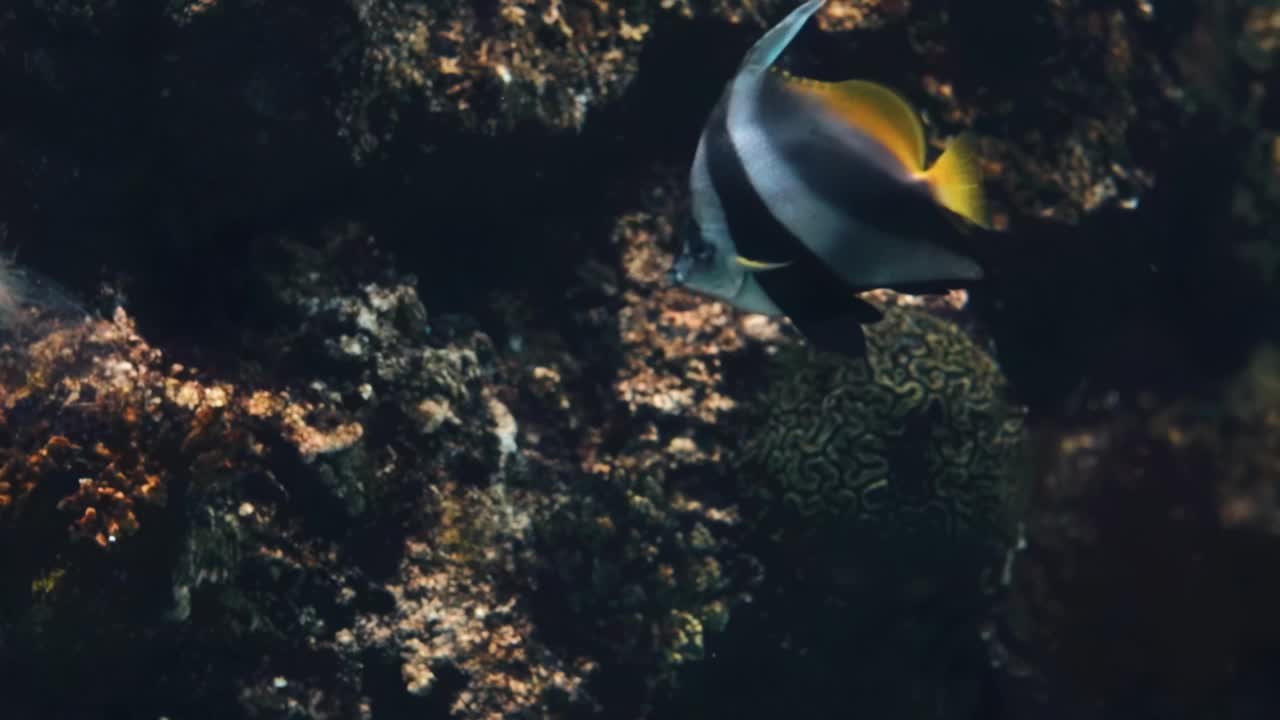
pixel 956 181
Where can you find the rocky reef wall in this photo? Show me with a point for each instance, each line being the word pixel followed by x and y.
pixel 353 388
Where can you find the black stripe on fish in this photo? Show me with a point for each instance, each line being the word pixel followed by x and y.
pixel 821 306
pixel 844 167
pixel 756 233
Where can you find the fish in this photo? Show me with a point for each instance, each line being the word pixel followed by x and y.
pixel 804 193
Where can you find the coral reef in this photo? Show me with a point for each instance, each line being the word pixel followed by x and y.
pixel 415 506
pixel 494 67
pixel 256 478
pixel 154 453
pixel 127 423
pixel 881 496
pixel 106 439
pixel 638 542
pixel 487 67
pixel 447 614
pixel 1194 477
pixel 844 442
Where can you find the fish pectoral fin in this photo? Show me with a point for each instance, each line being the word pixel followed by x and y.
pixel 875 110
pixel 956 181
pixel 760 265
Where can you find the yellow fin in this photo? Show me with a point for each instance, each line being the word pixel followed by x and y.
pixel 875 110
pixel 956 180
pixel 760 265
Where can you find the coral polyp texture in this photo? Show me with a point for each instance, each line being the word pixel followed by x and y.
pixel 94 403
pixel 919 437
pixel 498 65
pixel 413 504
pixel 272 484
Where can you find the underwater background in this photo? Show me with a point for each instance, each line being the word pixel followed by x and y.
pixel 348 381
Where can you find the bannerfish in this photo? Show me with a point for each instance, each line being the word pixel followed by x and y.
pixel 804 193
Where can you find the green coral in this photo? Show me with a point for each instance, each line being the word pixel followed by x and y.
pixel 643 572
pixel 879 494
pixel 916 438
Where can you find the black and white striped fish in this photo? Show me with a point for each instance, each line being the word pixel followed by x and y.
pixel 805 192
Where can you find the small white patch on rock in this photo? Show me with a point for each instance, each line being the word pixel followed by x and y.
pixel 504 426
pixel 352 345
pixel 435 412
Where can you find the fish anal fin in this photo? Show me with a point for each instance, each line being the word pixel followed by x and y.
pixel 956 181
pixel 836 335
pixel 838 330
pixel 873 109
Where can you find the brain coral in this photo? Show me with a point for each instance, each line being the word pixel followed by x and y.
pixel 916 438
pixel 879 495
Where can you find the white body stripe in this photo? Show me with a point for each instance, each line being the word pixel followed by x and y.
pixel 730 281
pixel 709 214
pixel 809 218
pixel 707 209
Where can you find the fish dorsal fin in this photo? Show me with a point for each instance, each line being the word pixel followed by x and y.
pixel 770 46
pixel 881 113
pixel 956 181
